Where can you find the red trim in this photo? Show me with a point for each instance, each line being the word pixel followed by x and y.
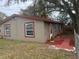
pixel 30 36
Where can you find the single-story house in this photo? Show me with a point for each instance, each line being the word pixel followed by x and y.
pixel 29 28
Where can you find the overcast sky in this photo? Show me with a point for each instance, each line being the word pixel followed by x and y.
pixel 14 8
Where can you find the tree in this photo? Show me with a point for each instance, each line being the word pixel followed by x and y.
pixel 2 17
pixel 64 17
pixel 30 11
pixel 71 7
pixel 38 9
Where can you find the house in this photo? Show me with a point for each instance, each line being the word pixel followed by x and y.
pixel 29 28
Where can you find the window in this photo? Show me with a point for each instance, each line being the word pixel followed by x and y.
pixel 7 30
pixel 29 29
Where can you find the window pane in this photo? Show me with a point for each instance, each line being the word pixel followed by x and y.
pixel 7 29
pixel 29 26
pixel 29 29
pixel 29 32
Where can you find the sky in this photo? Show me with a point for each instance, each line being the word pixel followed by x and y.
pixel 16 8
pixel 13 8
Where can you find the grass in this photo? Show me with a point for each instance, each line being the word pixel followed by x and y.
pixel 30 50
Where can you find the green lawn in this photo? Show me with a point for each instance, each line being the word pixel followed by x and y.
pixel 30 50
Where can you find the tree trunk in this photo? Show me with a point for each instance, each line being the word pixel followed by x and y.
pixel 76 36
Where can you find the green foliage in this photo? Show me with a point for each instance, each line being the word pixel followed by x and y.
pixel 39 8
pixel 2 16
pixel 63 17
pixel 30 11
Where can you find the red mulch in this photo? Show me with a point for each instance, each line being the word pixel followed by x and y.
pixel 66 42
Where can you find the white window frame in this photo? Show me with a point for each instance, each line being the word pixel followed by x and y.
pixel 7 30
pixel 26 29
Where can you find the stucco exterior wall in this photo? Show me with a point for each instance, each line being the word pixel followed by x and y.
pixel 47 31
pixel 38 30
pixel 42 30
pixel 17 30
pixel 13 29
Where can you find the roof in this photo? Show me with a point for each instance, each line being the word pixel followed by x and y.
pixel 45 19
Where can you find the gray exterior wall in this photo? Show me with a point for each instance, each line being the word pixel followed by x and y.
pixel 17 30
pixel 47 31
pixel 42 30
